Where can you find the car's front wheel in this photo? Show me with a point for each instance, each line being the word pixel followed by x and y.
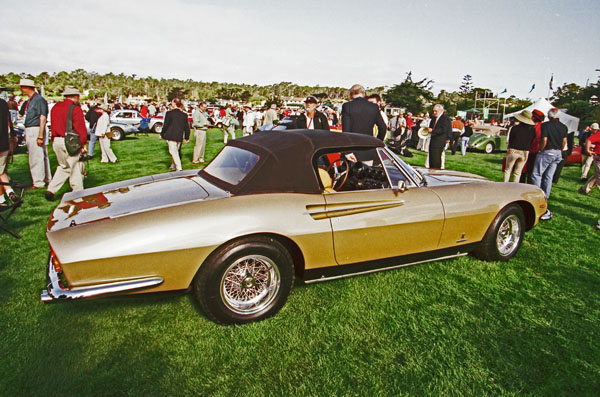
pixel 244 281
pixel 504 236
pixel 488 148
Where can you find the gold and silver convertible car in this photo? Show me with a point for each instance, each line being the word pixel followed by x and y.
pixel 271 207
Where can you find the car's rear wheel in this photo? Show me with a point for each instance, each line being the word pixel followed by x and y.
pixel 504 236
pixel 247 280
pixel 488 148
pixel 157 128
pixel 117 134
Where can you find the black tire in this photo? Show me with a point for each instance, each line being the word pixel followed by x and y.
pixel 219 125
pixel 157 128
pixel 229 297
pixel 504 236
pixel 118 134
pixel 489 148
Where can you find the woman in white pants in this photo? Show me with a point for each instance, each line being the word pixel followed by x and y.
pixel 101 130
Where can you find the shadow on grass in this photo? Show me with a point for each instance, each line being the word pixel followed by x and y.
pixel 80 356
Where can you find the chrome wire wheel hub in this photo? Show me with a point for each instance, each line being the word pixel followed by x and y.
pixel 250 284
pixel 508 236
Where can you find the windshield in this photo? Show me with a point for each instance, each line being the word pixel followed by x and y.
pixel 232 164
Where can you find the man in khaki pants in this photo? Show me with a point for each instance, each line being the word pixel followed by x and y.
pixel 36 114
pixel 200 124
pixel 69 166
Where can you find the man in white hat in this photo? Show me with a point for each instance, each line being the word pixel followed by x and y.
pixel 249 120
pixel 102 128
pixel 69 166
pixel 36 113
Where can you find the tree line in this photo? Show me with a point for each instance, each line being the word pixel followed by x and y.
pixel 415 96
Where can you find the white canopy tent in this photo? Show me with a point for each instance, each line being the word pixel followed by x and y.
pixel 543 105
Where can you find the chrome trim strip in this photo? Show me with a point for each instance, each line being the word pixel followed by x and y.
pixel 55 291
pixel 382 269
pixel 322 211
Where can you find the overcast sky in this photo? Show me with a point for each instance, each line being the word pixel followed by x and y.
pixel 502 44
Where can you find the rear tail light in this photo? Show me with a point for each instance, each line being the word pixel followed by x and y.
pixel 55 262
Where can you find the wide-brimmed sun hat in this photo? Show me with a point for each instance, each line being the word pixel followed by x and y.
pixel 26 83
pixel 70 90
pixel 104 107
pixel 525 117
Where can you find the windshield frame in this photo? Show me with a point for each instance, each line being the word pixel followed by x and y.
pixel 408 170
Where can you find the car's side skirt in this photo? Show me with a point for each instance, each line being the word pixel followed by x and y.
pixel 355 269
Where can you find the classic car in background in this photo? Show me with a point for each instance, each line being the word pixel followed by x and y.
pixel 315 205
pixel 488 138
pixel 120 130
pixel 133 118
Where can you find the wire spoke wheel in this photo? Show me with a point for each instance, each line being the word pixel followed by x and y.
pixel 509 235
pixel 250 284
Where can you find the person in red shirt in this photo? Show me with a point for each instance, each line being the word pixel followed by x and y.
pixel 69 167
pixel 593 140
pixel 538 118
pixel 144 110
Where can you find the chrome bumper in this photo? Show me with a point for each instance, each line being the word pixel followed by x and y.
pixel 56 291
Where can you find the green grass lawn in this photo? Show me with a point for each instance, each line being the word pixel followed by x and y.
pixel 462 326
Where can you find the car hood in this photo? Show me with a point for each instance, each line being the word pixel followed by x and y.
pixel 447 177
pixel 130 197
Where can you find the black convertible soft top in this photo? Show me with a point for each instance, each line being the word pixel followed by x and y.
pixel 286 159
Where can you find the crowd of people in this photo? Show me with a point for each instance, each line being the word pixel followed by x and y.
pixel 535 151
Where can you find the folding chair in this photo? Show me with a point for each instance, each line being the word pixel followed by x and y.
pixel 7 211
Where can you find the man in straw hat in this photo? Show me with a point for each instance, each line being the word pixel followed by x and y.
pixel 102 128
pixel 520 137
pixel 36 113
pixel 69 166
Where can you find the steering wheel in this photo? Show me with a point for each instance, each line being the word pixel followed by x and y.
pixel 339 178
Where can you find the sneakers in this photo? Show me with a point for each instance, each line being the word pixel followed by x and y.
pixel 49 195
pixel 583 180
pixel 581 190
pixel 547 215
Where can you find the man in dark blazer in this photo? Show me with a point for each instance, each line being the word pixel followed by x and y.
pixel 176 128
pixel 360 116
pixel 440 128
pixel 313 119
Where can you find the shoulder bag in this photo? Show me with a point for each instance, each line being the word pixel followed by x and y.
pixel 72 142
